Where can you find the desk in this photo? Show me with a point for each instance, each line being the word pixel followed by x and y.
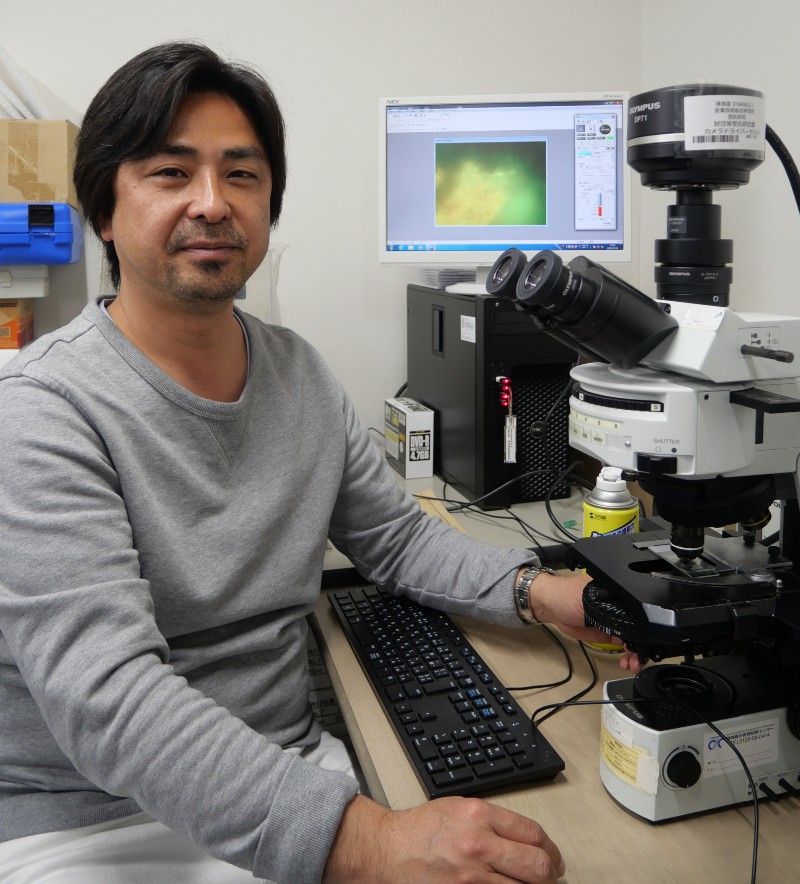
pixel 601 841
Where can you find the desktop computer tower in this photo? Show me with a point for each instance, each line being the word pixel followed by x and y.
pixel 464 353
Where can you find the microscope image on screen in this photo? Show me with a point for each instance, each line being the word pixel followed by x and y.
pixel 700 404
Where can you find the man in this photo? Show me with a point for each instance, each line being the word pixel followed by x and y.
pixel 173 470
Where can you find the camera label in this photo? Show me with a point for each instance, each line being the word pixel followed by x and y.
pixel 724 122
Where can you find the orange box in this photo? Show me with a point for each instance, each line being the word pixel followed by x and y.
pixel 16 323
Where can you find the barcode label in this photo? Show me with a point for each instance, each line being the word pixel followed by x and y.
pixel 706 139
pixel 724 122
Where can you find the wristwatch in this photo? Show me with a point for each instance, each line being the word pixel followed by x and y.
pixel 522 592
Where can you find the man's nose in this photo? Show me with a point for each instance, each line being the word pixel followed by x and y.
pixel 208 200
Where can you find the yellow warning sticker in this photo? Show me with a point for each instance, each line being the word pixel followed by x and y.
pixel 629 763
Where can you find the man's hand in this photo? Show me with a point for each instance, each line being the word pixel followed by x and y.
pixel 446 840
pixel 558 600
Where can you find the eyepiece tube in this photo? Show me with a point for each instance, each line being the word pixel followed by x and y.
pixel 597 310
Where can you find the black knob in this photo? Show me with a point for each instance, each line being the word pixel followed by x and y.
pixel 683 769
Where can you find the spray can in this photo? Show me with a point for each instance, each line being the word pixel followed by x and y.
pixel 609 509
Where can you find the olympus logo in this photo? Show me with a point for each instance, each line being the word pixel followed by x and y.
pixel 568 285
pixel 679 273
pixel 637 109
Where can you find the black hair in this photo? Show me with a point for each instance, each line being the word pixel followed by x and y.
pixel 131 115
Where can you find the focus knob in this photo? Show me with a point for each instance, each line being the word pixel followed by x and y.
pixel 683 769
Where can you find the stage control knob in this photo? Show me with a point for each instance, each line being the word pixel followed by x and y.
pixel 682 769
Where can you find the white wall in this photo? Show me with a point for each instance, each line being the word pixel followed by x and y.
pixel 329 63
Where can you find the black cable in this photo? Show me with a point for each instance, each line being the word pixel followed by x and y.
pixel 552 684
pixel 555 707
pixel 509 515
pixel 530 531
pixel 548 503
pixel 402 390
pixel 546 424
pixel 575 697
pixel 459 506
pixel 787 162
pixel 519 478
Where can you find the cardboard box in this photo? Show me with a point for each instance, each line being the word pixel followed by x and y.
pixel 36 161
pixel 408 427
pixel 16 323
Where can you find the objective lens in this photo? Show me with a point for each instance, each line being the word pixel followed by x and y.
pixel 687 541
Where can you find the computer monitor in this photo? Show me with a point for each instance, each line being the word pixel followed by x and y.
pixel 464 178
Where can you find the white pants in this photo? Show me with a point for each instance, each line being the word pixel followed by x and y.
pixel 137 849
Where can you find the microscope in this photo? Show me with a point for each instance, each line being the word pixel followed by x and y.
pixel 700 404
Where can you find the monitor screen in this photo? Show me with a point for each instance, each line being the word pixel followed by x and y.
pixel 462 179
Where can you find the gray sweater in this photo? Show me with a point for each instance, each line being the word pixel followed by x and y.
pixel 159 555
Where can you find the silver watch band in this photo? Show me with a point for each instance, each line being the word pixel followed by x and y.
pixel 522 592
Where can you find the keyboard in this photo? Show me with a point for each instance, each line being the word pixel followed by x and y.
pixel 461 731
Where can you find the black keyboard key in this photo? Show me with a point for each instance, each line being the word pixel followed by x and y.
pixel 493 768
pixel 438 685
pixel 425 749
pixel 452 778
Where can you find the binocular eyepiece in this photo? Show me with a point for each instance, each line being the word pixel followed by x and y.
pixel 582 304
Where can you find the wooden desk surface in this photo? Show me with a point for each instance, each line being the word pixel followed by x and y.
pixel 601 841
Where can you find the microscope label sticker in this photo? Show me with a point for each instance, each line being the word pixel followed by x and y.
pixel 630 763
pixel 724 122
pixel 757 741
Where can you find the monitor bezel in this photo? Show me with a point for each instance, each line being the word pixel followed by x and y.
pixel 483 258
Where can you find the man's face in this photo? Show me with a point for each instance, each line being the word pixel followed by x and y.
pixel 191 223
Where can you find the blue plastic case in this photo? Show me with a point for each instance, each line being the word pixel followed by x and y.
pixel 39 233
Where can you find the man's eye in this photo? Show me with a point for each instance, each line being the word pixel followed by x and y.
pixel 169 173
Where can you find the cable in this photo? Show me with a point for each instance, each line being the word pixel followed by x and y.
pixel 787 162
pixel 548 503
pixel 459 506
pixel 555 707
pixel 575 697
pixel 552 684
pixel 546 423
pixel 519 478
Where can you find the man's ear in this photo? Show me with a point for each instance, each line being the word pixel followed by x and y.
pixel 106 230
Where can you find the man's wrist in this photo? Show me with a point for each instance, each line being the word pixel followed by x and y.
pixel 523 592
